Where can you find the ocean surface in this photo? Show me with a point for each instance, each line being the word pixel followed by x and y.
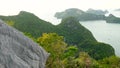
pixel 105 32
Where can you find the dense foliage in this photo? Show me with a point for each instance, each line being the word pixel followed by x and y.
pixel 70 44
pixel 29 23
pixel 70 28
pixel 73 31
pixel 64 56
pixel 96 50
pixel 55 45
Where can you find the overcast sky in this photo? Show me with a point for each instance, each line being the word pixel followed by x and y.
pixel 46 8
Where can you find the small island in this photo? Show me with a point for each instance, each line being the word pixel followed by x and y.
pixel 89 15
pixel 112 19
pixel 97 12
pixel 79 14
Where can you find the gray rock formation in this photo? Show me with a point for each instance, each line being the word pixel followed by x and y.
pixel 18 51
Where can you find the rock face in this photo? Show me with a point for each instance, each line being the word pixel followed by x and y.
pixel 18 51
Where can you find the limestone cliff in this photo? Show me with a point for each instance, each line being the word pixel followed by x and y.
pixel 18 51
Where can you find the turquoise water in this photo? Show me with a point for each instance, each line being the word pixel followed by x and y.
pixel 105 32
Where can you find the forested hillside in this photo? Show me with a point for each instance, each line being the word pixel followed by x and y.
pixel 28 23
pixel 70 28
pixel 67 41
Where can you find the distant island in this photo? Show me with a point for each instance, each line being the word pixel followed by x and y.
pixel 97 12
pixel 89 15
pixel 79 14
pixel 112 19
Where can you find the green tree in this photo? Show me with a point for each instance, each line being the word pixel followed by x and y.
pixel 71 51
pixel 83 61
pixel 110 62
pixel 56 46
pixel 96 50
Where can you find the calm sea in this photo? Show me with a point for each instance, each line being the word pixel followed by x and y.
pixel 106 32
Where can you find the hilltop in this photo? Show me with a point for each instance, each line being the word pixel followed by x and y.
pixel 28 23
pixel 31 24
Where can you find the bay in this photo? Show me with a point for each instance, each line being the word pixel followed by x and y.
pixel 105 32
pixel 108 33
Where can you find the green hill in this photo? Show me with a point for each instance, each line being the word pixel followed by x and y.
pixel 76 34
pixel 73 31
pixel 70 28
pixel 29 23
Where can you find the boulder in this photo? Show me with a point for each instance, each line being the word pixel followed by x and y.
pixel 18 51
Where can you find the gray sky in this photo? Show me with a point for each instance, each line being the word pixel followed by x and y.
pixel 45 9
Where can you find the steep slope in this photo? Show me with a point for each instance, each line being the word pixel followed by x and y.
pixel 29 23
pixel 78 35
pixel 70 28
pixel 18 51
pixel 73 31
